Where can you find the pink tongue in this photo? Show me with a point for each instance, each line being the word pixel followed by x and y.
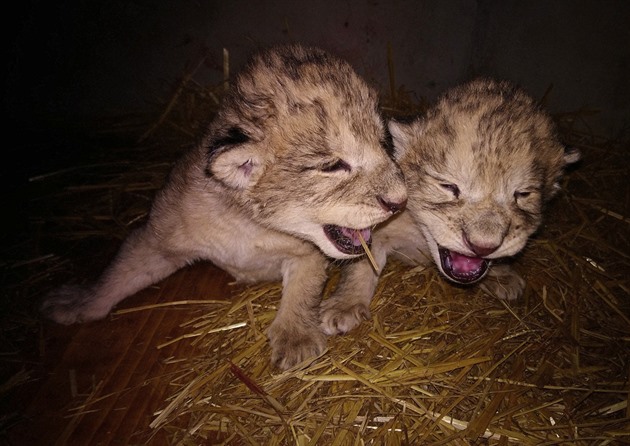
pixel 353 234
pixel 463 265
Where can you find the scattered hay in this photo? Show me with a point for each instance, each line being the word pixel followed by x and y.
pixel 368 253
pixel 436 364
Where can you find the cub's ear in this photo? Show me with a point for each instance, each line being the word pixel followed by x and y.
pixel 402 135
pixel 234 160
pixel 571 155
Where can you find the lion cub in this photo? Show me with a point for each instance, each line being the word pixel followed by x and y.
pixel 479 167
pixel 291 171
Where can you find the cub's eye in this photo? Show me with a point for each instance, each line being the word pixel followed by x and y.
pixel 336 166
pixel 521 194
pixel 452 188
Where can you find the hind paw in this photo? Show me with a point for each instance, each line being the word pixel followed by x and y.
pixel 71 304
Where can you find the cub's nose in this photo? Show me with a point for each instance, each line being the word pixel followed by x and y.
pixel 391 206
pixel 481 250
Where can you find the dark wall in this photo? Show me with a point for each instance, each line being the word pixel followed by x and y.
pixel 75 58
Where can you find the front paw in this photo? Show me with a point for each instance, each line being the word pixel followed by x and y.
pixel 339 316
pixel 291 345
pixel 72 304
pixel 503 282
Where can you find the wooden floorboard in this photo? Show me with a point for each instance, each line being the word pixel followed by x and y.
pixel 121 376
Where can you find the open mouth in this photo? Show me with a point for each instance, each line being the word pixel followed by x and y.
pixel 461 268
pixel 347 240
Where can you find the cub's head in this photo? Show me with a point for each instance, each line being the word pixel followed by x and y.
pixel 300 146
pixel 479 167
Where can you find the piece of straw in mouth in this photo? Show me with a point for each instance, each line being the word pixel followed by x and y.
pixel 367 251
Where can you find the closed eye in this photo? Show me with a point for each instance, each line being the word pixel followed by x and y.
pixel 452 188
pixel 522 194
pixel 336 166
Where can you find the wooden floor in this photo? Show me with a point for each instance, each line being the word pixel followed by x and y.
pixel 100 383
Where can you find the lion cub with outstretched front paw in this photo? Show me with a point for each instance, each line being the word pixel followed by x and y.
pixel 479 167
pixel 292 171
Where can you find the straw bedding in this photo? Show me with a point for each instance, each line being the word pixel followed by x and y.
pixel 436 364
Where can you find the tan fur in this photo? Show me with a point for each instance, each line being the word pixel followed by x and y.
pixel 479 168
pixel 298 144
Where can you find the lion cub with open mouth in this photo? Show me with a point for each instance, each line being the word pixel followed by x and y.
pixel 292 171
pixel 479 167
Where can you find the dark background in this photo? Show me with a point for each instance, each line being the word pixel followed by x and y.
pixel 73 59
pixel 73 67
